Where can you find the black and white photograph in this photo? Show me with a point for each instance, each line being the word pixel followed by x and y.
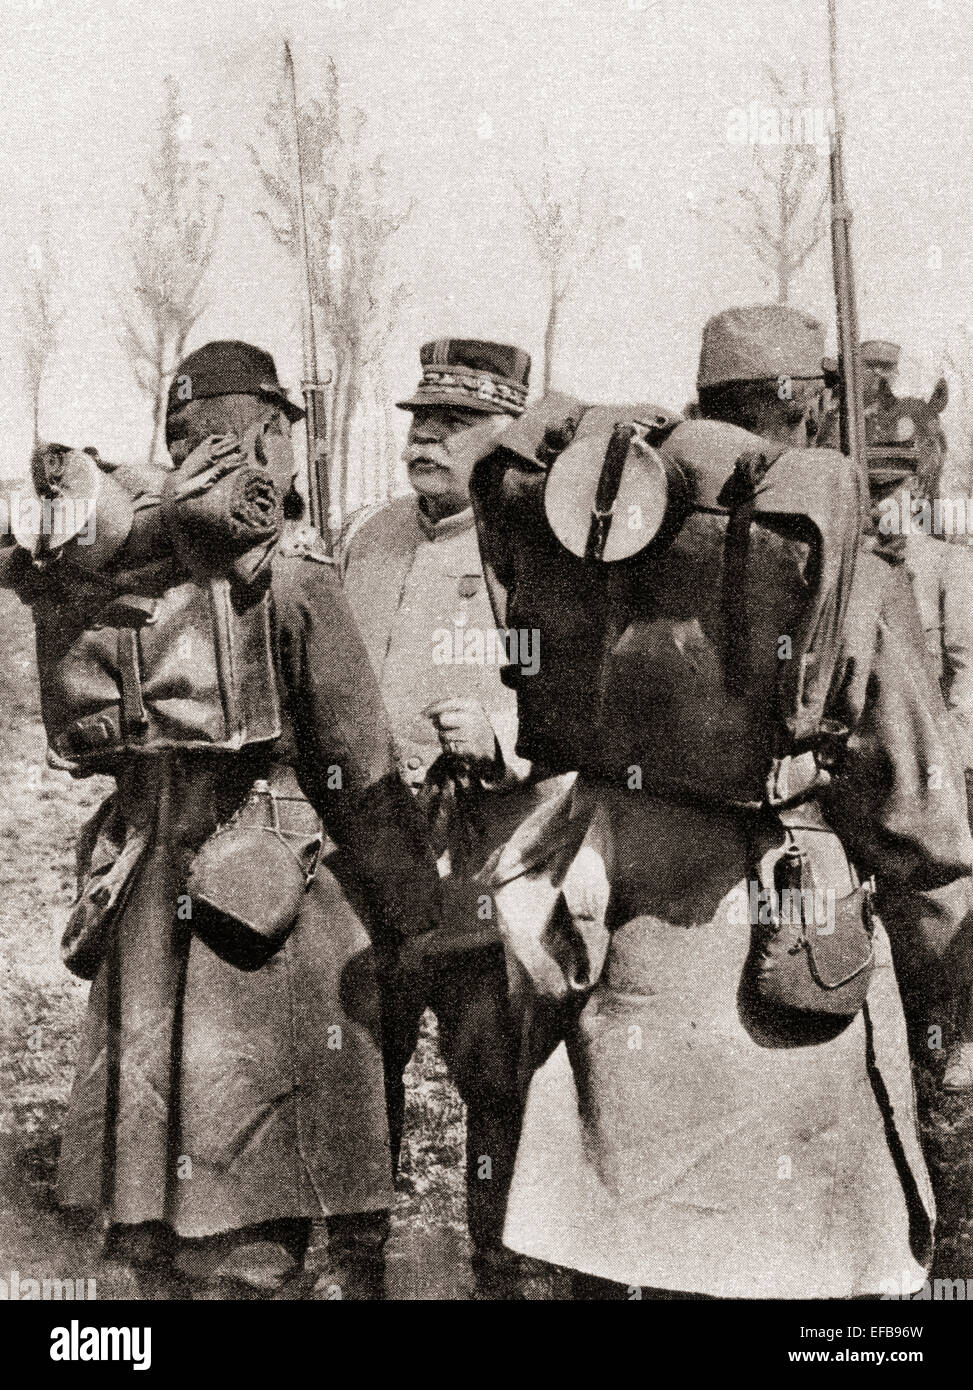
pixel 486 694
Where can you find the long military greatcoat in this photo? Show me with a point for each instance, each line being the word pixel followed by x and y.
pixel 942 580
pixel 932 932
pixel 672 1141
pixel 210 1098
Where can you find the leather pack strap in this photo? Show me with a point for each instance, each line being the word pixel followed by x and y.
pixel 135 720
pixel 740 497
pixel 609 481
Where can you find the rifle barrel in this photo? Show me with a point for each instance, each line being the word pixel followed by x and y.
pixel 318 482
pixel 849 348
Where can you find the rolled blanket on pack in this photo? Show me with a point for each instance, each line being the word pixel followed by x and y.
pixel 220 505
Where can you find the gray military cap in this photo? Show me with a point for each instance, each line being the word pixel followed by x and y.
pixel 879 353
pixel 761 342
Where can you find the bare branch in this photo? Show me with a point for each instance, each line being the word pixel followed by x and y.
pixel 566 230
pixel 173 231
pixel 40 312
pixel 350 227
pixel 783 222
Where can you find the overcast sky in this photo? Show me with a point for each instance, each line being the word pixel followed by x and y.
pixel 639 92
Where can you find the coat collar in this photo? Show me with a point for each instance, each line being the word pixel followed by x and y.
pixel 448 526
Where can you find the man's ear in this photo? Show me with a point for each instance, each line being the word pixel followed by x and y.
pixel 814 413
pixel 473 444
pixel 939 399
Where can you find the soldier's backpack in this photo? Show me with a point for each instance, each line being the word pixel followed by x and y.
pixel 144 651
pixel 688 582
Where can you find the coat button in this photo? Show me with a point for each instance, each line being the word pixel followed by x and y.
pixel 413 764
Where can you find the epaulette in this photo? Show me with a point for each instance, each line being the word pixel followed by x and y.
pixel 304 543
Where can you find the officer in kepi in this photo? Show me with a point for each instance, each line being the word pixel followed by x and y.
pixel 413 569
pixel 230 1086
pixel 416 585
pixel 880 370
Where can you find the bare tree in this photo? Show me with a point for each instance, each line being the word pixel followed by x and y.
pixel 958 366
pixel 172 234
pixel 40 314
pixel 350 225
pixel 781 217
pixel 566 231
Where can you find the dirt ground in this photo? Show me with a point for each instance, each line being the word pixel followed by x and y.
pixel 41 1006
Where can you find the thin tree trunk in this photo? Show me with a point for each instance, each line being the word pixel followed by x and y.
pixel 351 393
pixel 385 473
pixel 339 438
pixel 783 278
pixel 550 334
pixel 158 414
pixel 783 242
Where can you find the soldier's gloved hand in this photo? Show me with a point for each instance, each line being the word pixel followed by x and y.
pixel 466 734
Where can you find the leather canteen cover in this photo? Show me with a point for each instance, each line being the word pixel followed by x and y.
pixel 189 667
pixel 653 670
pixel 813 953
pixel 247 881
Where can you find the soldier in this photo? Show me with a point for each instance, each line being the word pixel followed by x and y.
pixel 891 419
pixel 732 1115
pixel 880 369
pixel 906 447
pixel 928 932
pixel 221 1101
pixel 415 582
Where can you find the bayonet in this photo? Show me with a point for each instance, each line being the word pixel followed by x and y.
pixel 849 347
pixel 313 385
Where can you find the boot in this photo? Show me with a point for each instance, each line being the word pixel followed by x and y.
pixel 161 1283
pixel 146 1253
pixel 264 1262
pixel 500 1276
pixel 260 1270
pixel 356 1258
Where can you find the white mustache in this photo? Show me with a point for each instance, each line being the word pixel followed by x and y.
pixel 425 453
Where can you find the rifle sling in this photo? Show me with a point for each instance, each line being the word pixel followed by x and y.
pixel 606 493
pixel 740 496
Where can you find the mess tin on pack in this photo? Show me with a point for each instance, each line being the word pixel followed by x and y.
pixel 608 493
